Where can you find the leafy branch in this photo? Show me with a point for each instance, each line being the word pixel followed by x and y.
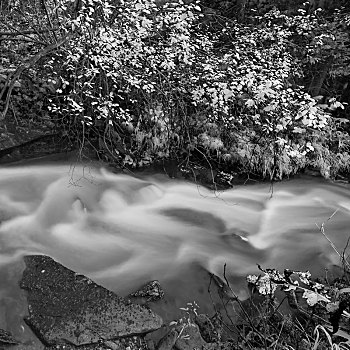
pixel 13 78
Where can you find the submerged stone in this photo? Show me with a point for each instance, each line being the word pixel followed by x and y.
pixel 152 291
pixel 68 308
pixel 168 341
pixel 210 328
pixel 190 338
pixel 6 338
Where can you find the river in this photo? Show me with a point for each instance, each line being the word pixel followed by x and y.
pixel 123 231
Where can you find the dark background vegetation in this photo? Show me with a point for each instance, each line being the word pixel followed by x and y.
pixel 257 87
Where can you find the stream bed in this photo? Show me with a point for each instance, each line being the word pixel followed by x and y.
pixel 124 231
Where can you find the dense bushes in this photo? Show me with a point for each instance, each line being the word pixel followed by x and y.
pixel 145 81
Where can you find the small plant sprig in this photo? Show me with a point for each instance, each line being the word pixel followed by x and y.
pixel 332 300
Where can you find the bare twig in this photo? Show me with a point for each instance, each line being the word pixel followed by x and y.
pixel 17 32
pixel 345 258
pixel 25 66
pixel 239 332
pixel 322 230
pixel 49 19
pixel 14 114
pixel 28 40
pixel 248 318
pixel 210 167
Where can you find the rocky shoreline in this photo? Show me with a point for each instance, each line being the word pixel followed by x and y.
pixel 67 310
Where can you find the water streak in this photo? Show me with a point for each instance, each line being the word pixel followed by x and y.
pixel 123 231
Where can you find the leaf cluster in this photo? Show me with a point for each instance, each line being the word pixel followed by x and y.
pixel 141 81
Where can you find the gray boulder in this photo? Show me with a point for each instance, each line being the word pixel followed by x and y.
pixel 68 308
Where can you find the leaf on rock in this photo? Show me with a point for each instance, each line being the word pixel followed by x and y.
pixel 312 298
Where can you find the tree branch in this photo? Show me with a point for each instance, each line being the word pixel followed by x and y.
pixel 25 32
pixel 23 67
pixel 27 40
pixel 49 19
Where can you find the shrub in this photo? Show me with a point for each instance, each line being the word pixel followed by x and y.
pixel 143 81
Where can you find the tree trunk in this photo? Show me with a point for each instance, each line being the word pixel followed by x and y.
pixel 321 75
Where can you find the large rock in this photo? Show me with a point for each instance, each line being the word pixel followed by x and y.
pixel 68 308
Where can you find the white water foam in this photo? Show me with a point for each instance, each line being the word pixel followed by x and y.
pixel 123 231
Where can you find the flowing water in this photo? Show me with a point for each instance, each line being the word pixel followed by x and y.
pixel 123 231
